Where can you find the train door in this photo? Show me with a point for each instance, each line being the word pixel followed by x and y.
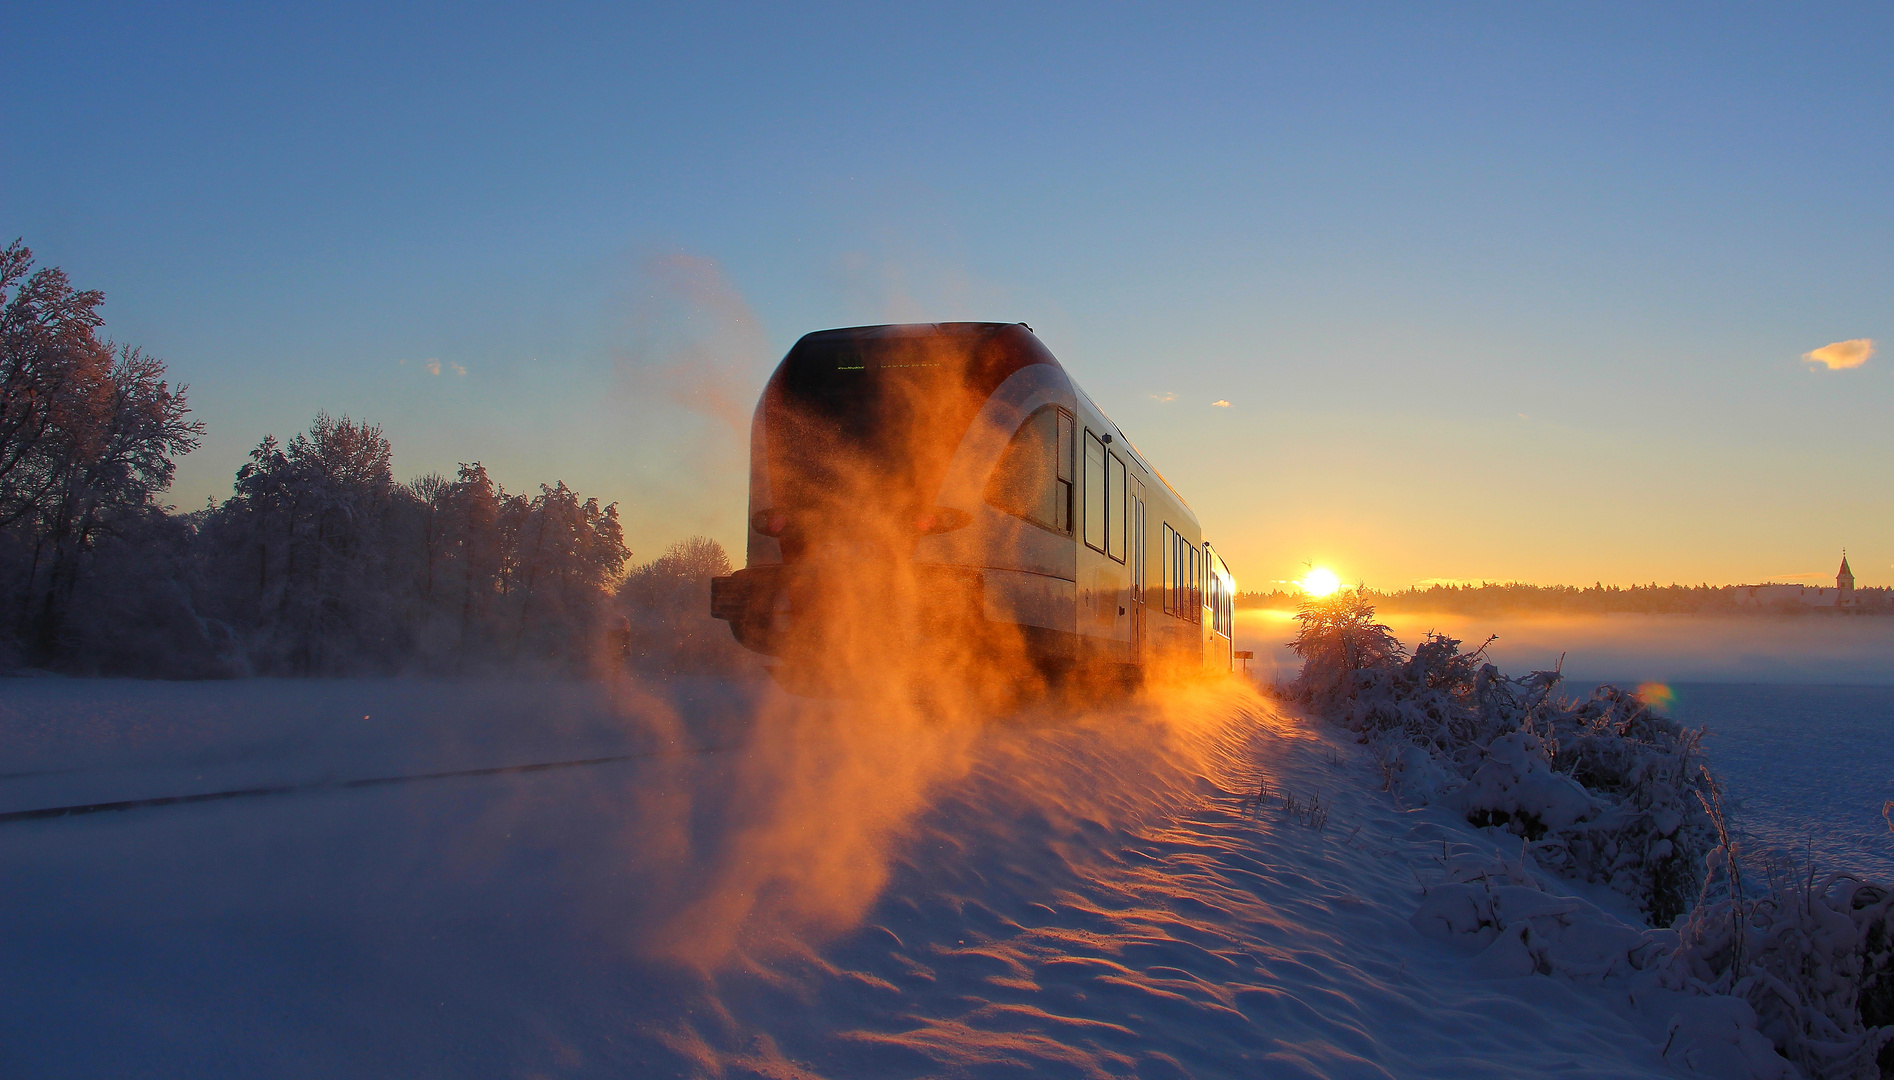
pixel 1134 515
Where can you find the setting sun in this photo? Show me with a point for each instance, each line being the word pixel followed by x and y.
pixel 1320 581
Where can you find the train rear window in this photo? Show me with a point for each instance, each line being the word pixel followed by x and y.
pixel 859 387
pixel 875 413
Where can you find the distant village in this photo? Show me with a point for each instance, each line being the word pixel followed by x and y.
pixel 1766 598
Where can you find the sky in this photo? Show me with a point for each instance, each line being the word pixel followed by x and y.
pixel 1416 292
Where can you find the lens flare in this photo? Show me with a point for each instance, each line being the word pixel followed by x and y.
pixel 1320 581
pixel 1656 695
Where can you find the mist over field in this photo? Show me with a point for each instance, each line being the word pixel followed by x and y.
pixel 1631 648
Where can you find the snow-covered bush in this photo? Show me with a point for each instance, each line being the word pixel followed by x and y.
pixel 1601 789
pixel 1606 790
pixel 1494 905
pixel 1815 960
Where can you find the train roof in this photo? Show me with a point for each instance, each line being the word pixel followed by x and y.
pixel 1001 348
pixel 888 331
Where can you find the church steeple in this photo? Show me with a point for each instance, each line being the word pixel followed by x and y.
pixel 1845 584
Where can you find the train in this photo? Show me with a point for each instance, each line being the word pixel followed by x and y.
pixel 948 490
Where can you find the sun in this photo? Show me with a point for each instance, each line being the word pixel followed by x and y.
pixel 1320 581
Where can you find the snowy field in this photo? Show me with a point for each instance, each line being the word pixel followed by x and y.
pixel 1800 710
pixel 1808 767
pixel 755 886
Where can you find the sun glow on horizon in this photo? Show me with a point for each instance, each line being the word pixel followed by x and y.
pixel 1320 581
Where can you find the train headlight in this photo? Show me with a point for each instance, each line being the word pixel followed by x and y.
pixel 769 522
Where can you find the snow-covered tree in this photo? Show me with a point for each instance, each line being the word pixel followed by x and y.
pixel 667 602
pixel 89 435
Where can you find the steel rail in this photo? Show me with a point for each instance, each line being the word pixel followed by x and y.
pixel 78 809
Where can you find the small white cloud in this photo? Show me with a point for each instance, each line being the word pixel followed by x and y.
pixel 1221 404
pixel 1163 397
pixel 458 370
pixel 1842 354
pixel 433 367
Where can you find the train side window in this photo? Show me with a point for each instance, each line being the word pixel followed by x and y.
pixel 1196 593
pixel 1178 562
pixel 1181 597
pixel 1026 481
pixel 1169 578
pixel 1094 492
pixel 1115 507
pixel 1213 588
pixel 1210 585
pixel 1065 473
pixel 1173 603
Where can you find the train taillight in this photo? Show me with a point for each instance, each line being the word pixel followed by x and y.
pixel 939 520
pixel 769 522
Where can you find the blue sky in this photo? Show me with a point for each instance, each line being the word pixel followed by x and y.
pixel 1491 292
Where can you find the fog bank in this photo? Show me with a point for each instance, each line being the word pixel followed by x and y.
pixel 1801 649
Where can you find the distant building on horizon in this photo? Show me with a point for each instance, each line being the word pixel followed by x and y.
pixel 1776 595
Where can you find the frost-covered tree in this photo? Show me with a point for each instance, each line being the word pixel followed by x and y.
pixel 566 555
pixel 471 573
pixel 667 602
pixel 105 482
pixel 317 563
pixel 326 565
pixel 88 439
pixel 302 549
pixel 53 368
pixel 1337 637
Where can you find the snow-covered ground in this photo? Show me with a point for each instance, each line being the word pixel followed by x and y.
pixel 1799 709
pixel 756 886
pixel 1808 767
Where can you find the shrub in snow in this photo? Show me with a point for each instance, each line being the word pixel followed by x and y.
pixel 1650 834
pixel 1814 961
pixel 1606 790
pixel 1602 789
pixel 1516 782
pixel 1494 906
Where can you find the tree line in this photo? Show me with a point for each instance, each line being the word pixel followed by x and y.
pixel 1494 598
pixel 318 563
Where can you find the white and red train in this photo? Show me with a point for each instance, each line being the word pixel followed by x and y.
pixel 962 459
